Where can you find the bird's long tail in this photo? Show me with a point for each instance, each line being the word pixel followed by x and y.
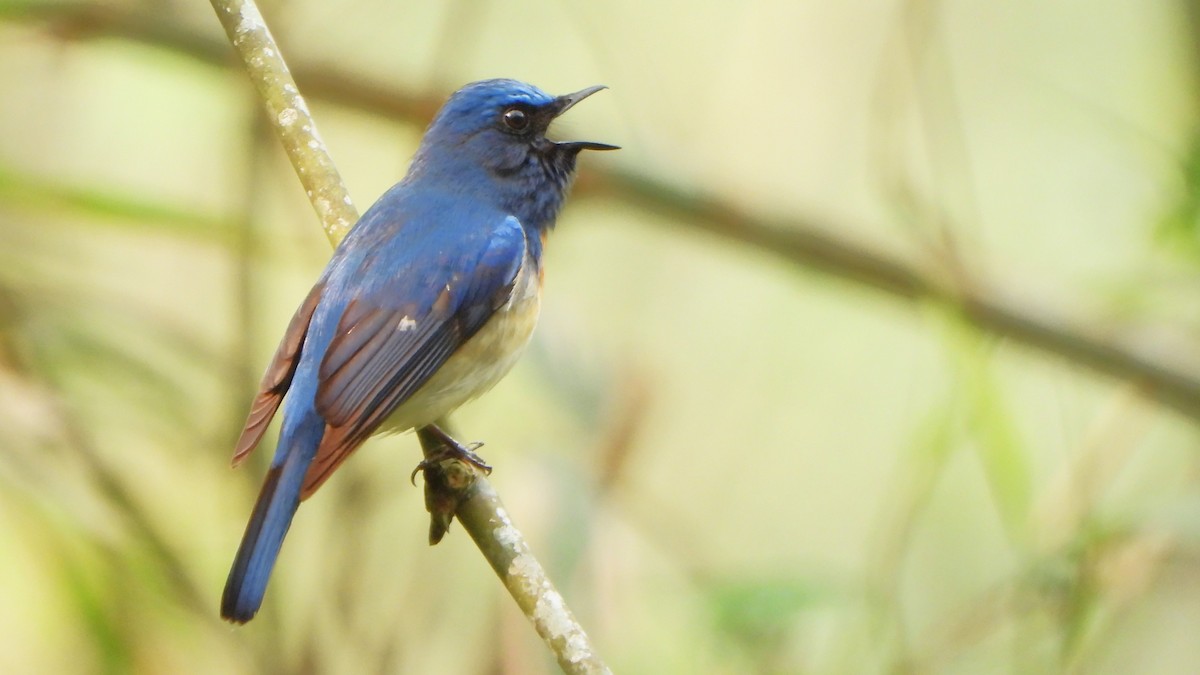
pixel 277 503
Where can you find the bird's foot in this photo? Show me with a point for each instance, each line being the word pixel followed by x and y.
pixel 450 449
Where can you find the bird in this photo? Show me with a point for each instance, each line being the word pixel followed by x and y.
pixel 426 304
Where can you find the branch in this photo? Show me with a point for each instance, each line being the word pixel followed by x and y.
pixel 453 488
pixel 288 115
pixel 1171 377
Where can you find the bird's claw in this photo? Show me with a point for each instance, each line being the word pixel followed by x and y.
pixel 453 450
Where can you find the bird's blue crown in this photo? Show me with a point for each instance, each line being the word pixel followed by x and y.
pixel 476 103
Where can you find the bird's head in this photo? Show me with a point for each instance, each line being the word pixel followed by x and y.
pixel 500 126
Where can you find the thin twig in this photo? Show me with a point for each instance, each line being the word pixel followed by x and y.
pixel 473 500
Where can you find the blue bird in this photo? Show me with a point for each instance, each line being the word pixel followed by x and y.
pixel 425 305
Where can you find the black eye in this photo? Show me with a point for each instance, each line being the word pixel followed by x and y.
pixel 515 119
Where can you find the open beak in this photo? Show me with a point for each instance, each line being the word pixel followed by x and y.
pixel 566 102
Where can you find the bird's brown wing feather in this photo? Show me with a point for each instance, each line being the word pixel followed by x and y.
pixel 277 379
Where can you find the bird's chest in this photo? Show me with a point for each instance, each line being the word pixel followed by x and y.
pixel 481 362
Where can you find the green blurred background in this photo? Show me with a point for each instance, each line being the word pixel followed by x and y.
pixel 730 460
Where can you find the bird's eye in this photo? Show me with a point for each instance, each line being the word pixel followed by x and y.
pixel 515 119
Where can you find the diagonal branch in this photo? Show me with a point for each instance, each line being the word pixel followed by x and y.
pixel 457 489
pixel 1170 376
pixel 288 115
pixel 473 501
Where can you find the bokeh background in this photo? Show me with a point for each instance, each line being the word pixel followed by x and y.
pixel 739 442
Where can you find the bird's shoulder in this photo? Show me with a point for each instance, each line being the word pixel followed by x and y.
pixel 415 237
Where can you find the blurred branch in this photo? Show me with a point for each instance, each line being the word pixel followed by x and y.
pixel 473 501
pixel 82 20
pixel 30 191
pixel 1172 378
pixel 110 484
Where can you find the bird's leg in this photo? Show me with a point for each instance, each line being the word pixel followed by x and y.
pixel 450 449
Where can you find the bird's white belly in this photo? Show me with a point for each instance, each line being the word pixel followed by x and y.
pixel 479 364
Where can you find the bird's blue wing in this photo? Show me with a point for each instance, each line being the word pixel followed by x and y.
pixel 410 311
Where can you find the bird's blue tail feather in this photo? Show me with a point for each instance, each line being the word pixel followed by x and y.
pixel 277 503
